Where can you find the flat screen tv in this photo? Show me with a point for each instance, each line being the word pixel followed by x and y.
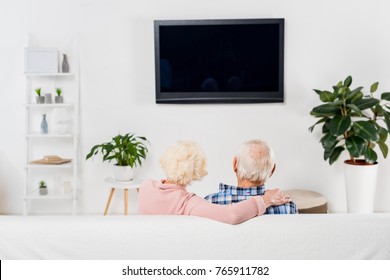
pixel 219 61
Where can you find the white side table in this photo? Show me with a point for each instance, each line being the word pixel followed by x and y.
pixel 114 184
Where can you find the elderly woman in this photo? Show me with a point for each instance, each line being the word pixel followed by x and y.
pixel 184 163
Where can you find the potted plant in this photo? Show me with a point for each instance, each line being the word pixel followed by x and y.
pixel 42 188
pixel 40 99
pixel 59 98
pixel 357 123
pixel 127 151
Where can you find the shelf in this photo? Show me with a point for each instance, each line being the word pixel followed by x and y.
pixel 52 105
pixel 36 195
pixel 49 74
pixel 50 166
pixel 38 135
pixel 43 144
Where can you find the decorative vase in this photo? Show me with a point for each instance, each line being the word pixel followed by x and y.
pixel 40 99
pixel 59 99
pixel 48 98
pixel 44 128
pixel 360 179
pixel 123 173
pixel 60 121
pixel 43 191
pixel 65 64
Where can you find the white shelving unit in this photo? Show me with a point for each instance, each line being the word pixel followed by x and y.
pixel 64 145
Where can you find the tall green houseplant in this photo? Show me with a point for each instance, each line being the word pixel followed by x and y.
pixel 353 121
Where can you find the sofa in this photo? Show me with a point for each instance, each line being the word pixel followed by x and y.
pixel 273 237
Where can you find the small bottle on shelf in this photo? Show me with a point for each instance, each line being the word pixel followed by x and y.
pixel 44 128
pixel 65 64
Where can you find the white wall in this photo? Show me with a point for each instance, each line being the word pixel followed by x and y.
pixel 324 42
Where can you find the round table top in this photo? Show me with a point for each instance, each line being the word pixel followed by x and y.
pixel 122 184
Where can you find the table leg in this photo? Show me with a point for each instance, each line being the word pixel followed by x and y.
pixel 109 200
pixel 126 201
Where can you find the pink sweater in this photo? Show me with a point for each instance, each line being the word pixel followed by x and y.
pixel 156 198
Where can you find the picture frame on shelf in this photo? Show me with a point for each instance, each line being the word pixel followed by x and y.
pixel 40 60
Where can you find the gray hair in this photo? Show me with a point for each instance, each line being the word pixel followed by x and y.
pixel 255 161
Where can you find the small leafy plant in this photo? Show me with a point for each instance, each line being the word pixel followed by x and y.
pixel 42 188
pixel 42 184
pixel 58 91
pixel 125 150
pixel 353 121
pixel 38 91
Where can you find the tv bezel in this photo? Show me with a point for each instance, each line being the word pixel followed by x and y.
pixel 228 97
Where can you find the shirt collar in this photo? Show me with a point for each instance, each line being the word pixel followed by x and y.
pixel 233 190
pixel 162 184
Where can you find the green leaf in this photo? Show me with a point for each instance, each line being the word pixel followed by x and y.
pixel 356 146
pixel 327 96
pixel 387 120
pixel 355 108
pixel 93 151
pixel 328 141
pixel 342 90
pixel 366 130
pixel 320 121
pixel 325 110
pixel 336 154
pixel 328 153
pixel 384 148
pixel 356 97
pixel 364 104
pixel 385 96
pixel 357 91
pixel 370 156
pixel 383 133
pixel 374 87
pixel 348 81
pixel 317 91
pixel 338 125
pixel 325 127
pixel 378 110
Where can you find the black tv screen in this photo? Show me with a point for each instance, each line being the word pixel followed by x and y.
pixel 219 61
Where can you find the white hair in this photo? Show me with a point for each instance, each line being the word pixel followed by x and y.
pixel 183 163
pixel 255 161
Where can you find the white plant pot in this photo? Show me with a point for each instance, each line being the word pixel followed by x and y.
pixel 360 183
pixel 123 173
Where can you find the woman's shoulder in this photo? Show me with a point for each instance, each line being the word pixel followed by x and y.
pixel 150 183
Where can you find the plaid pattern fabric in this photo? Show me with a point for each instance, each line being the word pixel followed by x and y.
pixel 231 194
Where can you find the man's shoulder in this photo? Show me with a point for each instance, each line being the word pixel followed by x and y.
pixel 220 197
pixel 214 197
pixel 288 208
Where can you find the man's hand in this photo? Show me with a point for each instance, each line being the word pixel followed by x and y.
pixel 275 197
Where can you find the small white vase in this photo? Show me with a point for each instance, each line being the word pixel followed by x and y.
pixel 360 182
pixel 61 121
pixel 123 173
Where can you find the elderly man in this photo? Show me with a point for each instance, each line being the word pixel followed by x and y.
pixel 253 165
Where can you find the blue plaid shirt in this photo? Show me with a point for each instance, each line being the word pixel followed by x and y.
pixel 231 194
